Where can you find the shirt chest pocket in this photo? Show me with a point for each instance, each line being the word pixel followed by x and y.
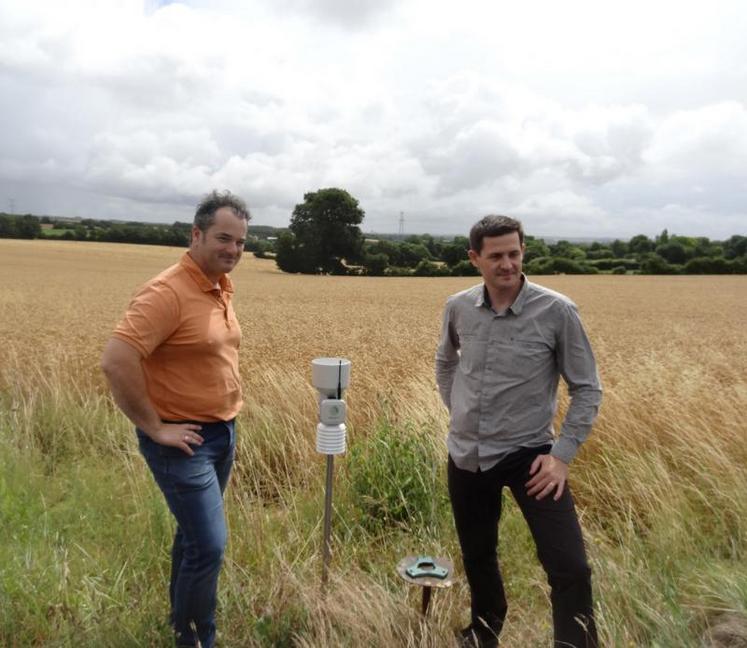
pixel 525 359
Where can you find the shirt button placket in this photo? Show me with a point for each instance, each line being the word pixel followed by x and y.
pixel 484 427
pixel 495 330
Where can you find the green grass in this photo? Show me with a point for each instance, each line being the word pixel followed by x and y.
pixel 86 535
pixel 80 552
pixel 55 233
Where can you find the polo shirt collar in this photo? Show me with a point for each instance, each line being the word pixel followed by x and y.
pixel 194 271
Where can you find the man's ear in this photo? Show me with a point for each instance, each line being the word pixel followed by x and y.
pixel 473 257
pixel 195 233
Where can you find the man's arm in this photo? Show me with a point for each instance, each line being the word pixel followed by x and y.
pixel 447 358
pixel 121 363
pixel 577 366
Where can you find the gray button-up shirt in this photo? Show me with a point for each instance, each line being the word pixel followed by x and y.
pixel 498 375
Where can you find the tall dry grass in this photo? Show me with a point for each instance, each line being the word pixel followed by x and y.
pixel 660 485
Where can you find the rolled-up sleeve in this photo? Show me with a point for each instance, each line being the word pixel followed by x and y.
pixel 447 356
pixel 578 367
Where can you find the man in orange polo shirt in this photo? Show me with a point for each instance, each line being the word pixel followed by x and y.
pixel 173 367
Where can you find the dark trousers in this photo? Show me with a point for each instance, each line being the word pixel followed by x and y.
pixel 476 503
pixel 193 488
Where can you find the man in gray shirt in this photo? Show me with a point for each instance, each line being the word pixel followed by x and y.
pixel 504 345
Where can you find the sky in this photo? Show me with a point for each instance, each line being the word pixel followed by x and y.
pixel 582 118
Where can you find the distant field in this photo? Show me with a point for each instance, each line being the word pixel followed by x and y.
pixel 660 484
pixel 53 233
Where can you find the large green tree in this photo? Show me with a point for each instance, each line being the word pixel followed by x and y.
pixel 324 232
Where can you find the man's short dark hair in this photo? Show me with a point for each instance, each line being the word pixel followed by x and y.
pixel 493 226
pixel 205 214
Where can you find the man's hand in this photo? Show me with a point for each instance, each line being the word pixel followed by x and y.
pixel 548 473
pixel 178 435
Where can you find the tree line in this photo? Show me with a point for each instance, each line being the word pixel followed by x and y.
pixel 324 237
pixel 177 234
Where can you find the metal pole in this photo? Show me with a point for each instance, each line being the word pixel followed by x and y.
pixel 326 548
pixel 426 600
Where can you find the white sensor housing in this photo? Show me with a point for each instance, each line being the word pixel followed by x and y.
pixel 330 377
pixel 327 373
pixel 332 412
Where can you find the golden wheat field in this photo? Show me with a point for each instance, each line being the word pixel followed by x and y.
pixel 69 295
pixel 660 485
pixel 65 298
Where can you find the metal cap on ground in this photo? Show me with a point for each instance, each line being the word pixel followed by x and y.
pixel 425 581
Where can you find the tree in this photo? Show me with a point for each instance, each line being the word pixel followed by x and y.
pixel 376 264
pixel 323 232
pixel 28 227
pixel 290 257
pixel 382 246
pixel 673 252
pixel 429 269
pixel 8 226
pixel 567 250
pixel 433 246
pixel 535 248
pixel 260 247
pixel 708 265
pixel 456 251
pixel 600 252
pixel 558 265
pixel 619 248
pixel 640 244
pixel 410 254
pixel 654 264
pixel 612 263
pixel 464 269
pixel 736 246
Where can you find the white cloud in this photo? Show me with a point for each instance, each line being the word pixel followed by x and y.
pixel 703 143
pixel 584 118
pixel 553 211
pixel 345 13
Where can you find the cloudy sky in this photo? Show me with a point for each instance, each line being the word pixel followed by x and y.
pixel 583 118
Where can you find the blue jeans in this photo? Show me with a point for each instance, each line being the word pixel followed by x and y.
pixel 193 488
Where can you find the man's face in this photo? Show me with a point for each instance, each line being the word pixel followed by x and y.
pixel 218 250
pixel 499 261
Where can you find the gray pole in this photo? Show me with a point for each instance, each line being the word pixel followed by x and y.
pixel 326 549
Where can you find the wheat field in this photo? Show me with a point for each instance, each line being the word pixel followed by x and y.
pixel 660 485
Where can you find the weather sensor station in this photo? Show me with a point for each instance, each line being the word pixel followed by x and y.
pixel 330 377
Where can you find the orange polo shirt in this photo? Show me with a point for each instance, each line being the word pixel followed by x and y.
pixel 187 332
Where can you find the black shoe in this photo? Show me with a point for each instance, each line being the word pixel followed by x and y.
pixel 476 637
